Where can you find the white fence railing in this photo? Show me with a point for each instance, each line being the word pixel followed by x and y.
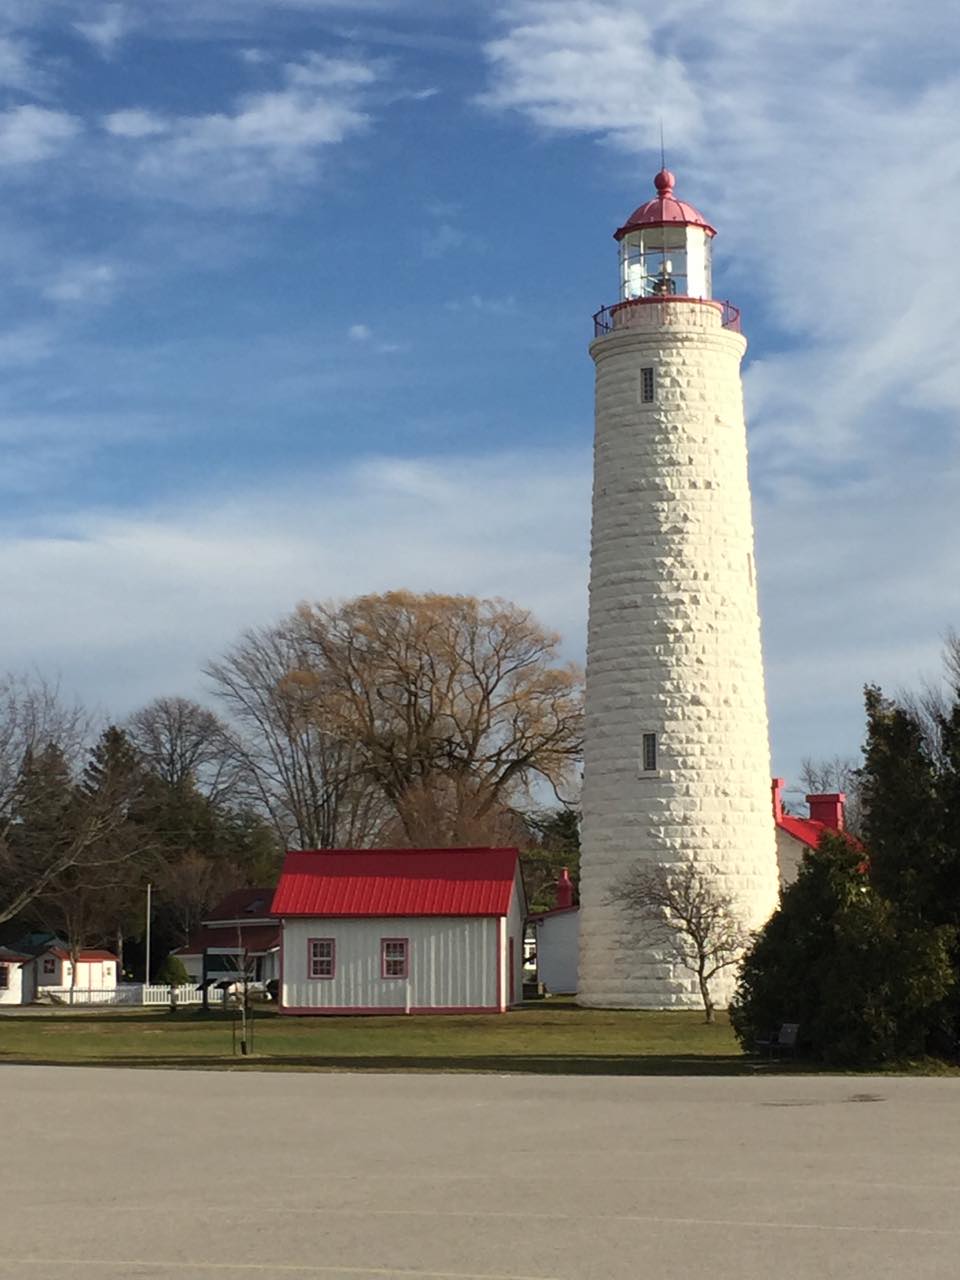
pixel 184 995
pixel 132 994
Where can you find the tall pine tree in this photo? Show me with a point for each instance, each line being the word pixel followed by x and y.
pixel 903 825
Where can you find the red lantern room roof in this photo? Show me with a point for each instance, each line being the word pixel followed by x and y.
pixel 664 210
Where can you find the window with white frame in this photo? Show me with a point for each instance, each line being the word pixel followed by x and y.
pixel 321 958
pixel 394 958
pixel 648 753
pixel 647 386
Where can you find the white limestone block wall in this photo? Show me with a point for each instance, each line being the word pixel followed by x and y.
pixel 673 645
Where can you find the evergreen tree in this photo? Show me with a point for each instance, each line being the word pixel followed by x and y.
pixel 43 812
pixel 946 891
pixel 865 983
pixel 903 825
pixel 43 833
pixel 555 845
pixel 93 898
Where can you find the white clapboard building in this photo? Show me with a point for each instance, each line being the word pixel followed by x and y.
pixel 400 931
pixel 556 936
pixel 96 970
pixel 17 977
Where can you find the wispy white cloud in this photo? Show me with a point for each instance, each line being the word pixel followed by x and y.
pixel 318 71
pixel 362 333
pixel 149 597
pixel 135 123
pixel 30 134
pixel 237 156
pixel 443 239
pixel 858 584
pixel 19 68
pixel 82 282
pixel 819 146
pixel 108 28
pixel 25 345
pixel 477 302
pixel 589 66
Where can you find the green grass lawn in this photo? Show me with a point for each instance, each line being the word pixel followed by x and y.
pixel 553 1037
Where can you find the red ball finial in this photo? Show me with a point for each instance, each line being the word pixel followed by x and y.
pixel 664 182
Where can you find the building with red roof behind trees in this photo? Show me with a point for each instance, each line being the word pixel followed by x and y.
pixel 795 835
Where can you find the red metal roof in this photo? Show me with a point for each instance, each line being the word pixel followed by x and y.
pixel 240 903
pixel 808 831
pixel 255 938
pixel 85 955
pixel 805 830
pixel 396 882
pixel 664 210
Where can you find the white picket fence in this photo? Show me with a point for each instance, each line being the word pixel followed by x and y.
pixel 184 995
pixel 135 993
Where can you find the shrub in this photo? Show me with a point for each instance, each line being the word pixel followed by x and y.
pixel 864 985
pixel 173 973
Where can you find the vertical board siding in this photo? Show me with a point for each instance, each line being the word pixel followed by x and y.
pixel 516 920
pixel 558 947
pixel 13 992
pixel 452 964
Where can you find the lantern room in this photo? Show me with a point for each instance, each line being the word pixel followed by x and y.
pixel 665 248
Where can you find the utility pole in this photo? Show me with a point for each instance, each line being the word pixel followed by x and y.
pixel 146 964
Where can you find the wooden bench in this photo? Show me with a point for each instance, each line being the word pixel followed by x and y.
pixel 781 1041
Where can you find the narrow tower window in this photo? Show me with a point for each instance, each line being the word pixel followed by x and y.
pixel 646 386
pixel 649 753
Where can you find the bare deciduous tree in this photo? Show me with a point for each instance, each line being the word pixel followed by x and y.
pixel 680 910
pixel 189 887
pixel 67 837
pixel 444 700
pixel 308 780
pixel 183 743
pixel 450 814
pixel 33 716
pixel 840 774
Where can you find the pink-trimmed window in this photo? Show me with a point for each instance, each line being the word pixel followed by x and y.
pixel 394 958
pixel 321 957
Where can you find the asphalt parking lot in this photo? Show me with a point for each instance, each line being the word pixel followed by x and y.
pixel 191 1174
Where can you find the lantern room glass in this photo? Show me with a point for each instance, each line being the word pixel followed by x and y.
pixel 665 261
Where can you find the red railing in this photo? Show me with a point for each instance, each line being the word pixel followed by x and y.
pixel 604 320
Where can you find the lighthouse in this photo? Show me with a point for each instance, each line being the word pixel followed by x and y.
pixel 676 752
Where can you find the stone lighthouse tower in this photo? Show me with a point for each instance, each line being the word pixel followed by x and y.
pixel 677 757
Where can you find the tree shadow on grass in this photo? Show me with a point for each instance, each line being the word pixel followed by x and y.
pixel 122 1018
pixel 499 1064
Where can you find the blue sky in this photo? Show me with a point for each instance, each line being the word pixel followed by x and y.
pixel 297 296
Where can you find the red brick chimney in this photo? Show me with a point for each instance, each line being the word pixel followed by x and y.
pixel 828 809
pixel 777 788
pixel 564 889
